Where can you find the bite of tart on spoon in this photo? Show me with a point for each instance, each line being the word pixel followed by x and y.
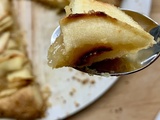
pixel 110 45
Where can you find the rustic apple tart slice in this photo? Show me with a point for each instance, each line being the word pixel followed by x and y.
pixel 93 31
pixel 20 95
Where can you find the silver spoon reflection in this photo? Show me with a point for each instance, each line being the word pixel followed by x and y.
pixel 130 63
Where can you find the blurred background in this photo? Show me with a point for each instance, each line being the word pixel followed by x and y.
pixel 132 97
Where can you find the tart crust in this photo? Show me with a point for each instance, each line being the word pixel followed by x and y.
pixel 20 94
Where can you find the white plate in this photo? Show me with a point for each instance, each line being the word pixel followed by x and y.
pixel 158 116
pixel 72 90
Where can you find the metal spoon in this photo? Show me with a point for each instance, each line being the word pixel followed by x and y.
pixel 130 63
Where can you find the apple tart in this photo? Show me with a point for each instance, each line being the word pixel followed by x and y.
pixel 62 3
pixel 93 31
pixel 20 95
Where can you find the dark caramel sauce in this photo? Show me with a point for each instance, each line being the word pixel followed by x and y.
pixel 117 65
pixel 87 57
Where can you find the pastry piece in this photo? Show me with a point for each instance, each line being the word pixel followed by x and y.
pixel 20 95
pixel 88 6
pixel 93 31
pixel 62 3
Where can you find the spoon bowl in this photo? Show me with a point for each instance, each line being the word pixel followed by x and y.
pixel 130 63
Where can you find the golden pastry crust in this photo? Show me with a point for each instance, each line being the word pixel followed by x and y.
pixel 26 103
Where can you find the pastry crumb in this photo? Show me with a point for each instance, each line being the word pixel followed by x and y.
pixel 85 81
pixel 93 81
pixel 118 110
pixel 76 104
pixel 72 92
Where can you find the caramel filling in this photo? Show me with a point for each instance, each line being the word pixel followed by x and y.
pixel 87 57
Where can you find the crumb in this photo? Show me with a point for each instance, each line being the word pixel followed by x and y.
pixel 76 104
pixel 75 78
pixel 70 69
pixel 85 81
pixel 118 110
pixel 93 81
pixel 64 101
pixel 72 91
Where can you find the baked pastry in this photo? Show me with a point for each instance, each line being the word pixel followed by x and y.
pixel 62 3
pixel 93 31
pixel 20 95
pixel 113 2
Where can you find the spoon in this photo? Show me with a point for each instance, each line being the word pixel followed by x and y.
pixel 130 63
